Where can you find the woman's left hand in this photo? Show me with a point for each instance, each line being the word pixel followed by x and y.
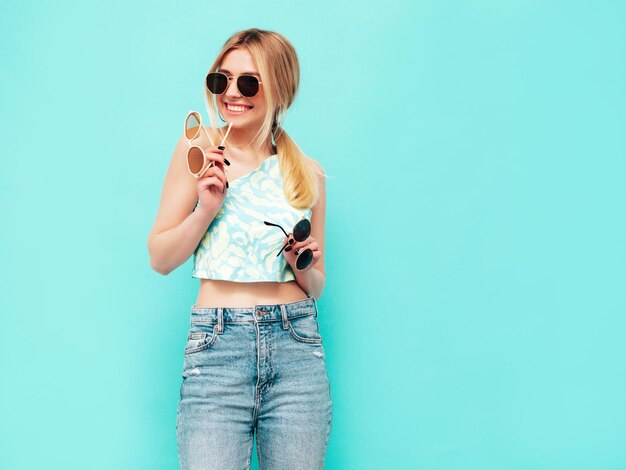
pixel 299 247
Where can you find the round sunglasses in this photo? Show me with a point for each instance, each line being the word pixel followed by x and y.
pixel 301 232
pixel 197 160
pixel 217 82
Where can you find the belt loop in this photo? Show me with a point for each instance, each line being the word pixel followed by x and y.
pixel 315 307
pixel 283 311
pixel 220 320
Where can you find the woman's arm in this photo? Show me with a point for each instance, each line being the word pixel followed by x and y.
pixel 178 229
pixel 312 280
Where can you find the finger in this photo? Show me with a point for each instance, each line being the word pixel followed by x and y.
pixel 209 181
pixel 215 156
pixel 300 249
pixel 218 163
pixel 314 246
pixel 288 248
pixel 302 244
pixel 219 172
pixel 215 182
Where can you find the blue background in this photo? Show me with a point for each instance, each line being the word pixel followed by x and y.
pixel 474 309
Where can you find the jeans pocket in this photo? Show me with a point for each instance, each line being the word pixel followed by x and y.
pixel 200 337
pixel 305 329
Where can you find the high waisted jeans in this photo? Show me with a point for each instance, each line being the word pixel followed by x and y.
pixel 247 369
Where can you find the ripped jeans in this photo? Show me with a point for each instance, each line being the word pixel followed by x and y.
pixel 254 369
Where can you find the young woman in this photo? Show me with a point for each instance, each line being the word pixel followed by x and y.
pixel 254 359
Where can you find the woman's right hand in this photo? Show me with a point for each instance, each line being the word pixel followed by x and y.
pixel 212 183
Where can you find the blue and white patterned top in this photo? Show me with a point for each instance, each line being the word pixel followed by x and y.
pixel 238 246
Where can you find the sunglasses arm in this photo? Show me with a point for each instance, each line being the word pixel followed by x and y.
pixel 276 225
pixel 286 234
pixel 208 135
pixel 281 250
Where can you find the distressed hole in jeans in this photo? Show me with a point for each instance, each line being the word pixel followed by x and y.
pixel 194 371
pixel 318 353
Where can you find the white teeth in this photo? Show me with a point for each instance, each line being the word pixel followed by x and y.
pixel 237 108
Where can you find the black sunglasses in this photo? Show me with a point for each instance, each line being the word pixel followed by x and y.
pixel 248 85
pixel 301 232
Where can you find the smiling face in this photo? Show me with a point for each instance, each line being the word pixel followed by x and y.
pixel 239 62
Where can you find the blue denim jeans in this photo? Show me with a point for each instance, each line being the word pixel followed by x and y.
pixel 254 369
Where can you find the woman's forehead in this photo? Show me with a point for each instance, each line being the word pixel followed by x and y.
pixel 238 61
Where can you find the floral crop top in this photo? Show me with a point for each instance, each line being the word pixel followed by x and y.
pixel 237 245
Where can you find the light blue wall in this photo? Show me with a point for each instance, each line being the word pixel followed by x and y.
pixel 475 301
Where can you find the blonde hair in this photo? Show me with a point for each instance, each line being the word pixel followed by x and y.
pixel 278 65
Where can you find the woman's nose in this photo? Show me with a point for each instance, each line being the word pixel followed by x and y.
pixel 231 90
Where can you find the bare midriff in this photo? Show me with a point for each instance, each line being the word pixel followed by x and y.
pixel 216 293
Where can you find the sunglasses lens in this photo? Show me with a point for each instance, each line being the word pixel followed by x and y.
pixel 302 230
pixel 304 259
pixel 248 85
pixel 192 126
pixel 216 82
pixel 195 160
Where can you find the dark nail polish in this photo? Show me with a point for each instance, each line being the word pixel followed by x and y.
pixel 227 184
pixel 296 252
pixel 226 161
pixel 288 248
pixel 221 147
pixel 291 241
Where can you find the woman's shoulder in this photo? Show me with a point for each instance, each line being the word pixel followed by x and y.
pixel 316 165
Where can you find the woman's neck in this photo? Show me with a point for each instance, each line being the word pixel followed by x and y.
pixel 242 143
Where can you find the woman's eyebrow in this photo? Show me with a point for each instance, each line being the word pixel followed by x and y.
pixel 243 73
